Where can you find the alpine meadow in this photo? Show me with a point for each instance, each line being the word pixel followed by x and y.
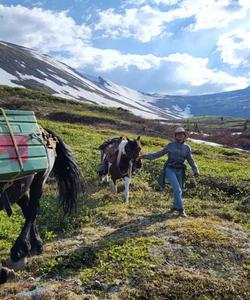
pixel 110 250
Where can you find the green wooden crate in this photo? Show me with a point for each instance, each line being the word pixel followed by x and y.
pixel 32 156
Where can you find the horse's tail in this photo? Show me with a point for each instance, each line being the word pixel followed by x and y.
pixel 67 174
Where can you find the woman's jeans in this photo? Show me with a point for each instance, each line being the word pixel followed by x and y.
pixel 175 178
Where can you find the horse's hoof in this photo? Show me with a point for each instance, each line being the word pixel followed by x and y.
pixel 20 264
pixel 6 274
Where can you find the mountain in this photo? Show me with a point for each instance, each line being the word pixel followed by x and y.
pixel 23 67
pixel 233 103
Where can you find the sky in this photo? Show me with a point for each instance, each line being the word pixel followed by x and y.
pixel 177 47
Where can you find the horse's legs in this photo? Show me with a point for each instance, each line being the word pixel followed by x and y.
pixel 36 191
pixel 22 246
pixel 113 186
pixel 105 179
pixel 35 240
pixel 29 240
pixel 126 192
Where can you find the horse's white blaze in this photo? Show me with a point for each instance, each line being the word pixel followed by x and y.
pixel 121 150
pixel 126 192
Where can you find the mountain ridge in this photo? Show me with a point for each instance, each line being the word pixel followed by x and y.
pixel 24 67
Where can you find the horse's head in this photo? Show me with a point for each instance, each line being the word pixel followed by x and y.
pixel 137 165
pixel 133 148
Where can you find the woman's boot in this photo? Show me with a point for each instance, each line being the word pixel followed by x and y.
pixel 182 213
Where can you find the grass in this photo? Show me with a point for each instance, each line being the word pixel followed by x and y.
pixel 140 250
pixel 216 122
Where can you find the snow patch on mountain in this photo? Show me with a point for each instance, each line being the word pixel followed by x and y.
pixel 44 71
pixel 23 67
pixel 7 79
pixel 186 112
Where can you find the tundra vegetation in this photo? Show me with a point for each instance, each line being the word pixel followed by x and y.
pixel 109 250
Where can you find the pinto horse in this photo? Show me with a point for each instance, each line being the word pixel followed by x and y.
pixel 126 164
pixel 26 192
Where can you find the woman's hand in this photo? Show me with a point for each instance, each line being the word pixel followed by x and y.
pixel 141 156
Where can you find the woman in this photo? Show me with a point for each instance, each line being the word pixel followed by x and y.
pixel 174 168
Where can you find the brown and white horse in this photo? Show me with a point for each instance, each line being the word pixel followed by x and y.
pixel 126 164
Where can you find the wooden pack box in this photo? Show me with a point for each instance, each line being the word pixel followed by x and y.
pixel 22 151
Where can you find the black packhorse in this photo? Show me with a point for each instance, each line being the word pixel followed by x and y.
pixel 26 192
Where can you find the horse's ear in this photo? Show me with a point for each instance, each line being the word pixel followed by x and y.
pixel 138 138
pixel 127 138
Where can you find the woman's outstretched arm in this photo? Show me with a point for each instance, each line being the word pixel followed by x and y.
pixel 152 156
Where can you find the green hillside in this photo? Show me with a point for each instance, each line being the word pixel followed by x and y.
pixel 140 251
pixel 211 123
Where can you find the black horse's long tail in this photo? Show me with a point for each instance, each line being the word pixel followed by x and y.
pixel 67 174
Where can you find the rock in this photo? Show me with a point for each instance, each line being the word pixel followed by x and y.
pixel 38 293
pixel 114 288
pixel 99 285
pixel 78 282
pixel 30 278
pixel 58 278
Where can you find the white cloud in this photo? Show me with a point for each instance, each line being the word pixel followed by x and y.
pixel 109 59
pixel 235 48
pixel 244 4
pixel 195 72
pixel 183 67
pixel 145 22
pixel 210 14
pixel 56 31
pixel 156 2
pixel 42 29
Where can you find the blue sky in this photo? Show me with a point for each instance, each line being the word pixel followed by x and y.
pixel 162 46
